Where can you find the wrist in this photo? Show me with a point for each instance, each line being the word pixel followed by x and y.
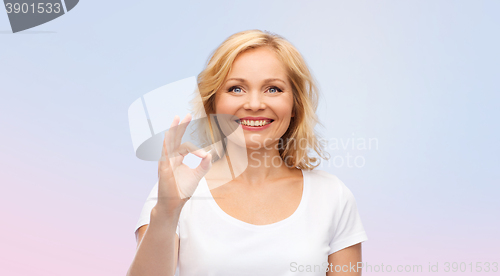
pixel 167 212
pixel 163 220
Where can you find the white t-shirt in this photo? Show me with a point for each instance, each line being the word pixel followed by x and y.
pixel 215 243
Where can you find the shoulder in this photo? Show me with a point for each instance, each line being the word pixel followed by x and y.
pixel 325 179
pixel 327 184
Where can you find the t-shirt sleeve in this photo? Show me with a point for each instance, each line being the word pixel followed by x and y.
pixel 151 201
pixel 348 228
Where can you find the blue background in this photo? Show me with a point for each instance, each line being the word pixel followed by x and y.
pixel 420 77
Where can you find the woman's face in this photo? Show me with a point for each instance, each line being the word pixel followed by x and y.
pixel 258 92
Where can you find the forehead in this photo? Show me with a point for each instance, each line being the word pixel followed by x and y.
pixel 257 64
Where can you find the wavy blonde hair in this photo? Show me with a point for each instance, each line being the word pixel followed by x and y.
pixel 305 95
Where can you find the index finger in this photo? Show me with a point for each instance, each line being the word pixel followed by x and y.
pixel 169 140
pixel 181 129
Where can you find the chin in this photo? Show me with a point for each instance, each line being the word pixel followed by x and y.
pixel 254 146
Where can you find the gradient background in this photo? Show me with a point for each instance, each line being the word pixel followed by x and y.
pixel 419 76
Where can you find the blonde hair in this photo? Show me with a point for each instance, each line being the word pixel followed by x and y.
pixel 305 95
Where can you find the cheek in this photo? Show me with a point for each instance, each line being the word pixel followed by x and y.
pixel 223 105
pixel 286 108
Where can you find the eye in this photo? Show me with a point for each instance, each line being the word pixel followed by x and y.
pixel 274 90
pixel 235 89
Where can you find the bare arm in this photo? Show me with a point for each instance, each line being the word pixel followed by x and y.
pixel 139 235
pixel 157 247
pixel 345 261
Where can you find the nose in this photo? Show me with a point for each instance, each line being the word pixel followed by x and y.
pixel 255 102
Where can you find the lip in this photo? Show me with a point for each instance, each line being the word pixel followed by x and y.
pixel 253 128
pixel 255 118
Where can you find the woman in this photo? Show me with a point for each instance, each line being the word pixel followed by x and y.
pixel 261 208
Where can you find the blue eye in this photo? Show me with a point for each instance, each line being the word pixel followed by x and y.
pixel 232 89
pixel 275 89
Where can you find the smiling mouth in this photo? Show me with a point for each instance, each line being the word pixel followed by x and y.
pixel 254 123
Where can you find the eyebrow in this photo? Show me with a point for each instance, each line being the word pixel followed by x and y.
pixel 265 81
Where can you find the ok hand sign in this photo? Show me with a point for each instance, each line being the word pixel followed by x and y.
pixel 177 181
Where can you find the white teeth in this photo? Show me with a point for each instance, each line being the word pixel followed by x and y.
pixel 255 123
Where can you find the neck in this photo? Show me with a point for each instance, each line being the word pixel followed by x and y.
pixel 249 165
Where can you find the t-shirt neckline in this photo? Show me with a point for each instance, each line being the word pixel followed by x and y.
pixel 249 226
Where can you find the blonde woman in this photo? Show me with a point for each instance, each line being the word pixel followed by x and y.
pixel 261 208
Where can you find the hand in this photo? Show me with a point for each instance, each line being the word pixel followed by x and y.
pixel 177 181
